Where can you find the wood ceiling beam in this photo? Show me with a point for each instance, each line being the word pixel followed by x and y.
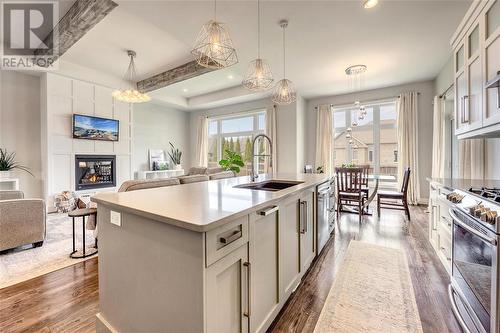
pixel 80 18
pixel 181 73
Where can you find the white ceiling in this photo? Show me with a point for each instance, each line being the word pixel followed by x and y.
pixel 400 41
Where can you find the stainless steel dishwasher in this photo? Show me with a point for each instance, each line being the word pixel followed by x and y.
pixel 326 214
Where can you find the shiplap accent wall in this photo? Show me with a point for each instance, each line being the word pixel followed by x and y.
pixel 61 97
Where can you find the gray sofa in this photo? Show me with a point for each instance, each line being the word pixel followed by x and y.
pixel 194 175
pixel 22 221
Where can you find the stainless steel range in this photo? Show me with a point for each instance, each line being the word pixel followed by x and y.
pixel 474 289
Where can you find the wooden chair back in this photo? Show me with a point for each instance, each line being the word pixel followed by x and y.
pixel 349 179
pixel 364 178
pixel 406 181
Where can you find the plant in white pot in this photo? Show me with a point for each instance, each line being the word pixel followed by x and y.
pixel 8 163
pixel 175 155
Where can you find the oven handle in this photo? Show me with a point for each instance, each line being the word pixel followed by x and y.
pixel 454 308
pixel 456 220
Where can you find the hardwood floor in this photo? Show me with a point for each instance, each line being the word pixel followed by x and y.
pixel 67 300
pixel 430 280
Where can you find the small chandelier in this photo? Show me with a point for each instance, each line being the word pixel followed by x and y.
pixel 259 75
pixel 284 92
pixel 214 47
pixel 131 95
pixel 356 79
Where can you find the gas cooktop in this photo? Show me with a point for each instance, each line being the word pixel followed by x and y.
pixel 492 194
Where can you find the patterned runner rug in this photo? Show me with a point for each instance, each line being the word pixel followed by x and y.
pixel 373 292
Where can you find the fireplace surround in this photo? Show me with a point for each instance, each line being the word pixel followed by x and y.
pixel 95 171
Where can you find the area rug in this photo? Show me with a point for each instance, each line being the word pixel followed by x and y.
pixel 371 293
pixel 26 263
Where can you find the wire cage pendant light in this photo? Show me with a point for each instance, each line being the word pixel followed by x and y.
pixel 259 76
pixel 213 47
pixel 131 95
pixel 284 92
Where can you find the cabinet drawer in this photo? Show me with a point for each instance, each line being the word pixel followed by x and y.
pixel 445 243
pixel 225 239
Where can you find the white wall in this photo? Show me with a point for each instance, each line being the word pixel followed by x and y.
pixel 426 90
pixel 154 127
pixel 61 98
pixel 287 138
pixel 20 126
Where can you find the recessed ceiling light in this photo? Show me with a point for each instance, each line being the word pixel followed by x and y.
pixel 370 3
pixel 185 90
pixel 230 77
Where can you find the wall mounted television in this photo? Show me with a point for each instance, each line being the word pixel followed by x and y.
pixel 95 128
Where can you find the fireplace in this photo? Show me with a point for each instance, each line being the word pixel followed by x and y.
pixel 95 171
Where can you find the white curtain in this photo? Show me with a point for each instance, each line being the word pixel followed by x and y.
pixel 471 159
pixel 271 132
pixel 438 149
pixel 408 142
pixel 202 142
pixel 324 139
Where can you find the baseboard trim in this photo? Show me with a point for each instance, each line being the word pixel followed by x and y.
pixel 102 325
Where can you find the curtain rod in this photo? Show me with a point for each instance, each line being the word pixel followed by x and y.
pixel 365 102
pixel 237 113
pixel 446 91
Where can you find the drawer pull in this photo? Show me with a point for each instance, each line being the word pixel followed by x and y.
pixel 248 312
pixel 231 238
pixel 268 211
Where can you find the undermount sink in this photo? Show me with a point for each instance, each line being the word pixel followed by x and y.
pixel 269 185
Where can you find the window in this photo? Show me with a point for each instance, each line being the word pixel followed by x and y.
pixel 369 140
pixel 236 134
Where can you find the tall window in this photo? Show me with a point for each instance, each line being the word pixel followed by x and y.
pixel 236 134
pixel 369 140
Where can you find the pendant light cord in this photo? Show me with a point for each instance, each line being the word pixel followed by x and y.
pixel 215 10
pixel 284 51
pixel 258 29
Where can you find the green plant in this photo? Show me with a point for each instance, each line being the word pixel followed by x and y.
pixel 233 161
pixel 349 165
pixel 320 170
pixel 8 162
pixel 175 154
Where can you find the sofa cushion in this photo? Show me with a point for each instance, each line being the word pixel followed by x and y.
pixel 193 179
pixel 11 195
pixel 197 171
pixel 211 171
pixel 141 184
pixel 222 175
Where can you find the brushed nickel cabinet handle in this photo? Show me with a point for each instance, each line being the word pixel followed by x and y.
pixel 306 226
pixel 248 312
pixel 268 211
pixel 231 238
pixel 301 217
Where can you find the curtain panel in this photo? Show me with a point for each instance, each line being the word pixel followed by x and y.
pixel 202 142
pixel 471 159
pixel 324 139
pixel 407 107
pixel 438 149
pixel 271 132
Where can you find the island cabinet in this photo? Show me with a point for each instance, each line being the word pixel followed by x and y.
pixel 234 278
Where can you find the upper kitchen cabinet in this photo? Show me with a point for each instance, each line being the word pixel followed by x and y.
pixel 492 63
pixel 476 61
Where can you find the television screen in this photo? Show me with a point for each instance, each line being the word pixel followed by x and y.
pixel 95 128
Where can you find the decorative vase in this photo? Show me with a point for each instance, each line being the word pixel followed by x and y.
pixel 178 167
pixel 4 174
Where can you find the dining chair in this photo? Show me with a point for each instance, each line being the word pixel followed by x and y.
pixel 395 196
pixel 364 179
pixel 349 189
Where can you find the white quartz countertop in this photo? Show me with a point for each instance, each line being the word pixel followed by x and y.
pixel 205 205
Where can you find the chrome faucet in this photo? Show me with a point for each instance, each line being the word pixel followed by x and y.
pixel 253 174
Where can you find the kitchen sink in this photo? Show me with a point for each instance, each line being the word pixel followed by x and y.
pixel 269 185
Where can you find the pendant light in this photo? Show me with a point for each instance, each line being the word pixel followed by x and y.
pixel 284 92
pixel 259 76
pixel 214 47
pixel 356 80
pixel 131 95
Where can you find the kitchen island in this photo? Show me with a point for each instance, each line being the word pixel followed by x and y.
pixel 203 257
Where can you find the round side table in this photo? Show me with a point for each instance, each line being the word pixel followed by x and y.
pixel 85 212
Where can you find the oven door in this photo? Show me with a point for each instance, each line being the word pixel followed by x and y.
pixel 474 268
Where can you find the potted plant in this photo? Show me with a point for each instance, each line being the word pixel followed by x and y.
pixel 8 163
pixel 175 155
pixel 233 161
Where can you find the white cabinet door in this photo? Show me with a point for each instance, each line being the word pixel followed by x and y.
pixel 226 290
pixel 264 258
pixel 307 232
pixel 460 90
pixel 289 246
pixel 492 63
